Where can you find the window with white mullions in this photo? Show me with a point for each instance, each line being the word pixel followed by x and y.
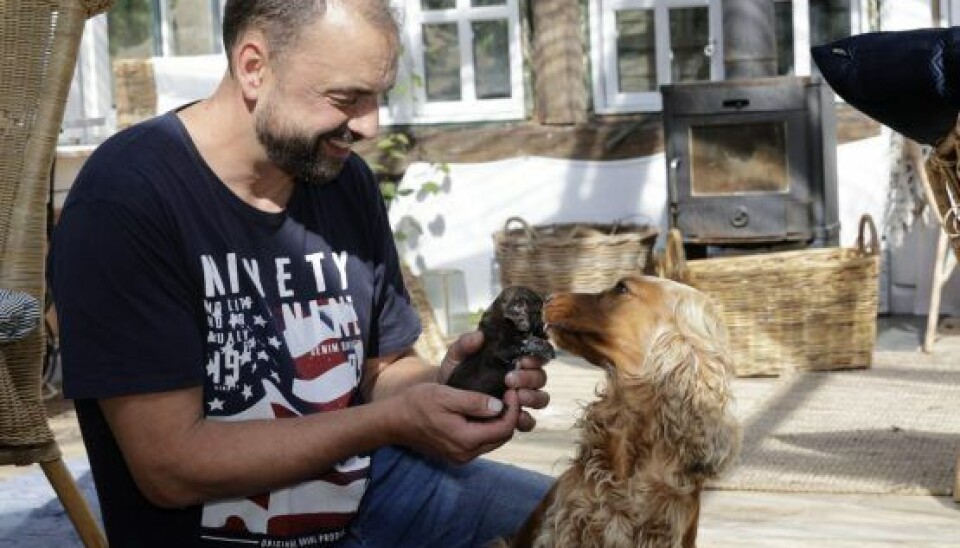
pixel 150 28
pixel 691 44
pixel 801 24
pixel 636 53
pixel 461 62
pixel 639 45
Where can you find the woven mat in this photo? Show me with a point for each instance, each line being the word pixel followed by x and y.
pixel 893 428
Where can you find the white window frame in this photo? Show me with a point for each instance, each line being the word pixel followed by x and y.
pixel 408 102
pixel 603 46
pixel 88 113
pixel 603 54
pixel 801 31
pixel 949 12
pixel 166 33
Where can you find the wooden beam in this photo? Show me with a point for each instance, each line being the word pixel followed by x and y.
pixel 602 138
pixel 560 87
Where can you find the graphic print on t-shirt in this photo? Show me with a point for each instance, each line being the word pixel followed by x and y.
pixel 282 353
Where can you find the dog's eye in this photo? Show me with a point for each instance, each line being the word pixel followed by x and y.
pixel 621 288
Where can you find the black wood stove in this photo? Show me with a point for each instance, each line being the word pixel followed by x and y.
pixel 752 162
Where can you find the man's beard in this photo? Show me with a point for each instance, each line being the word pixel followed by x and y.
pixel 299 155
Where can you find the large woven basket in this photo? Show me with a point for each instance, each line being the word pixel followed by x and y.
pixel 577 257
pixel 814 309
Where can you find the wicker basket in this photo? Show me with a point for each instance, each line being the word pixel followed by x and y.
pixel 574 257
pixel 814 309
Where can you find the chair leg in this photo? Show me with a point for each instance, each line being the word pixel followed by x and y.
pixel 936 288
pixel 73 502
pixel 956 480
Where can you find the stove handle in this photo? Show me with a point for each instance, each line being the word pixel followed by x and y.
pixel 738 104
pixel 672 189
pixel 672 179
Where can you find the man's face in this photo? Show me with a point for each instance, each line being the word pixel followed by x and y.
pixel 324 97
pixel 299 152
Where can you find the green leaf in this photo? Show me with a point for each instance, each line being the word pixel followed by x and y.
pixel 430 187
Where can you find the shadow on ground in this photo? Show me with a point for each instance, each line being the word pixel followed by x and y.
pixel 31 515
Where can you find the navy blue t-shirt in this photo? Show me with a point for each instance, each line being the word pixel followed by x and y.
pixel 164 279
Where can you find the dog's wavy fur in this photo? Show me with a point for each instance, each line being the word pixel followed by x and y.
pixel 660 429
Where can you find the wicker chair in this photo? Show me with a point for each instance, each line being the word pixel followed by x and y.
pixel 40 39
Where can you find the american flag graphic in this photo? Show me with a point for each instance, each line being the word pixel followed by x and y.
pixel 303 357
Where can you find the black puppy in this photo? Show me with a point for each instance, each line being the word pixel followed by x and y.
pixel 512 328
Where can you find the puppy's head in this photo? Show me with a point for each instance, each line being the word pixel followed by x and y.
pixel 519 309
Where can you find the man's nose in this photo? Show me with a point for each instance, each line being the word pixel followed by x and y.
pixel 365 124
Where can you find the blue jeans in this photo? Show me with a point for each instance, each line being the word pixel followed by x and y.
pixel 415 502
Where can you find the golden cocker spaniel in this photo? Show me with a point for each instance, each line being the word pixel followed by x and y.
pixel 661 428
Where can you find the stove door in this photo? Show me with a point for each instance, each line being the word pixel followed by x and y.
pixel 740 177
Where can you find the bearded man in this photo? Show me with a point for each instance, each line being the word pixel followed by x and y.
pixel 235 331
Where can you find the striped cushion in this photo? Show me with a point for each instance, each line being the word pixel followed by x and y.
pixel 19 313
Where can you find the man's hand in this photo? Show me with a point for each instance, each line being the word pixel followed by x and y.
pixel 527 381
pixel 441 421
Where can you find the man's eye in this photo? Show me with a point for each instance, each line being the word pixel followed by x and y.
pixel 345 100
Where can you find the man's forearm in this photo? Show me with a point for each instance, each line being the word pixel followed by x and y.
pixel 179 460
pixel 389 378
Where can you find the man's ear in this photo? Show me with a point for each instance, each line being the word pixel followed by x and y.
pixel 250 60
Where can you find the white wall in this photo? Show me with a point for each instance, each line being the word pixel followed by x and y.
pixel 905 14
pixel 477 199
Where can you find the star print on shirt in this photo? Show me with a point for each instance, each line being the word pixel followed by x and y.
pixel 216 404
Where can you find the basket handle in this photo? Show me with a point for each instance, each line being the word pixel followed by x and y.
pixel 673 260
pixel 531 232
pixel 873 246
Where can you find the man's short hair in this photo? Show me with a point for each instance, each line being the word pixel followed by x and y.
pixel 282 20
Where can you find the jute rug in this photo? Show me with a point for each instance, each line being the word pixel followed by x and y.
pixel 892 428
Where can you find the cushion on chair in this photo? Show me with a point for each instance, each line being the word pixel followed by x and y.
pixel 19 314
pixel 907 80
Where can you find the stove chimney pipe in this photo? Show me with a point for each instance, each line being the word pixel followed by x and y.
pixel 749 43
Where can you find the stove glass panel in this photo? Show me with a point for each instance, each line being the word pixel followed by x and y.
pixel 740 158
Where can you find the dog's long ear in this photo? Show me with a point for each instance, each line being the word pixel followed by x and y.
pixel 690 366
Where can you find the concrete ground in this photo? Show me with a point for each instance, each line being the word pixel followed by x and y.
pixel 32 517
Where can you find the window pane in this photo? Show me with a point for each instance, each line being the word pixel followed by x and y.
pixel 193 28
pixel 131 25
pixel 636 51
pixel 491 57
pixel 829 20
pixel 438 4
pixel 783 27
pixel 689 41
pixel 441 59
pixel 479 3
